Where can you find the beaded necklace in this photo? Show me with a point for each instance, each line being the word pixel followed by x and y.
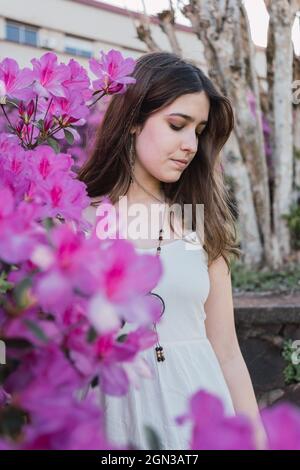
pixel 159 350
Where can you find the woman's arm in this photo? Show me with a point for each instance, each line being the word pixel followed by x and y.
pixel 220 328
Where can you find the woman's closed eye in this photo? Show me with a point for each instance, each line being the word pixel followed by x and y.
pixel 178 128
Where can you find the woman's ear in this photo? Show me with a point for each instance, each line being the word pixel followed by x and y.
pixel 135 130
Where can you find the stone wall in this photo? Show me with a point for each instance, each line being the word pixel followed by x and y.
pixel 262 331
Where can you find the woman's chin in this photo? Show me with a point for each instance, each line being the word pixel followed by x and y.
pixel 170 178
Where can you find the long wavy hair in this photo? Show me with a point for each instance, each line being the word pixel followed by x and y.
pixel 161 77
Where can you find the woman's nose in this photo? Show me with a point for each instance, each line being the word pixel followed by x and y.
pixel 190 143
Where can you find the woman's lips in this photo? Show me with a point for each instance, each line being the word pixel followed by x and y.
pixel 181 164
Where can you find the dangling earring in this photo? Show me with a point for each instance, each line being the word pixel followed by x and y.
pixel 131 157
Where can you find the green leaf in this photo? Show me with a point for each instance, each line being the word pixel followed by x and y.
pixel 69 137
pixel 91 335
pixel 36 330
pixel 4 284
pixel 12 421
pixel 20 291
pixel 53 144
pixel 48 223
pixel 40 124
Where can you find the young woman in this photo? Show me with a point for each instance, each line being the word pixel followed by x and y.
pixel 160 143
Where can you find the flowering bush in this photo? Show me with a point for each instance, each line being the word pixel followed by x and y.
pixel 61 313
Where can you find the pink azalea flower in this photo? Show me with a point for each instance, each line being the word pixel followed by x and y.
pixel 114 380
pixel 14 82
pixel 68 269
pixel 282 424
pixel 13 166
pixel 67 110
pixel 14 175
pixel 118 360
pixel 79 155
pixel 141 310
pixel 113 277
pixel 126 279
pixel 137 370
pixel 45 178
pixel 14 328
pixel 212 430
pixel 54 284
pixel 61 195
pixel 49 76
pixel 112 71
pixel 19 235
pixel 127 274
pixel 43 162
pixel 79 81
pixel 142 338
pixel 116 364
pixel 106 315
pixel 8 143
pixel 63 423
pixel 110 354
pixel 103 315
pixel 74 319
pixel 5 398
pixel 7 203
pixel 44 386
pixel 42 371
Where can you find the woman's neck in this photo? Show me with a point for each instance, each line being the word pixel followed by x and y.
pixel 145 192
pixel 145 188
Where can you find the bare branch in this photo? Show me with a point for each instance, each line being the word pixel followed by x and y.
pixel 143 31
pixel 166 22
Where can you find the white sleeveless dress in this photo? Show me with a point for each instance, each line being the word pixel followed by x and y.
pixel 190 362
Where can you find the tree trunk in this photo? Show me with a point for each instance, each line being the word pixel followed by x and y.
pixel 228 47
pixel 297 154
pixel 280 76
pixel 252 250
pixel 296 116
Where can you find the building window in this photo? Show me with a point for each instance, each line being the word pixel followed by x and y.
pixel 21 33
pixel 78 47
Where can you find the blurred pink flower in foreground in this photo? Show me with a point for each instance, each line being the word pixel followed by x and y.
pixel 282 424
pixel 212 429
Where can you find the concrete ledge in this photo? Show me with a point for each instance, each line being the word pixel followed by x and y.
pixel 267 308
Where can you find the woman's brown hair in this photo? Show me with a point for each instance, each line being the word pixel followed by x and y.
pixel 161 77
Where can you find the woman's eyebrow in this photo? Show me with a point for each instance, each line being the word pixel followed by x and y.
pixel 187 117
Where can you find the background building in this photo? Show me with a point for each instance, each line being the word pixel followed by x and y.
pixel 77 28
pixel 80 28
